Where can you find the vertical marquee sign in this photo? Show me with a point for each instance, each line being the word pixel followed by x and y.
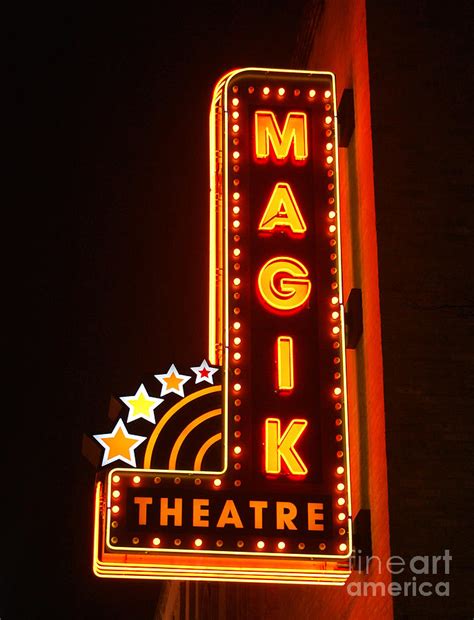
pixel 273 503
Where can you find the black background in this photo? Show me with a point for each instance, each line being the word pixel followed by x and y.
pixel 106 265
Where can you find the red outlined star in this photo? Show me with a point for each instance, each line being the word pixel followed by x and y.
pixel 204 372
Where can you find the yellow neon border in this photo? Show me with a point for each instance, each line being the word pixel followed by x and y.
pixel 296 209
pixel 188 429
pixel 212 230
pixel 342 315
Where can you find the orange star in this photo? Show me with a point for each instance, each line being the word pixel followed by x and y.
pixel 119 445
pixel 172 381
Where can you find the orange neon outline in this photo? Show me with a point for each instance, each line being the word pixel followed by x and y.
pixel 267 124
pixel 301 470
pixel 285 363
pixel 270 218
pixel 281 298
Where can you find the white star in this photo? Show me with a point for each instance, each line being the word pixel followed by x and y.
pixel 204 372
pixel 172 381
pixel 119 445
pixel 141 405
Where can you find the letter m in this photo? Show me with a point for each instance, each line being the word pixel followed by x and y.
pixel 268 132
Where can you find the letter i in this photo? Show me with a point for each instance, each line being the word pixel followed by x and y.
pixel 285 366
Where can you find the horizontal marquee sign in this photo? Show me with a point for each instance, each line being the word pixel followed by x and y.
pixel 241 469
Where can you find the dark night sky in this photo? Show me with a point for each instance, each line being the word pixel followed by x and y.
pixel 110 266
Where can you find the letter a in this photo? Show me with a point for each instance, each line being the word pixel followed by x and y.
pixel 282 210
pixel 279 447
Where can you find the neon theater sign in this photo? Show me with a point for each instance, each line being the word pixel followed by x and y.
pixel 241 469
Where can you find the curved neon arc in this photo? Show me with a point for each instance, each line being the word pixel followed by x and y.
pixel 168 415
pixel 203 449
pixel 191 426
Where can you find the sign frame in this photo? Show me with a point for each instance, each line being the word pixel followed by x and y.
pixel 303 566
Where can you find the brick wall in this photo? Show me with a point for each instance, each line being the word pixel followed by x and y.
pixel 421 114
